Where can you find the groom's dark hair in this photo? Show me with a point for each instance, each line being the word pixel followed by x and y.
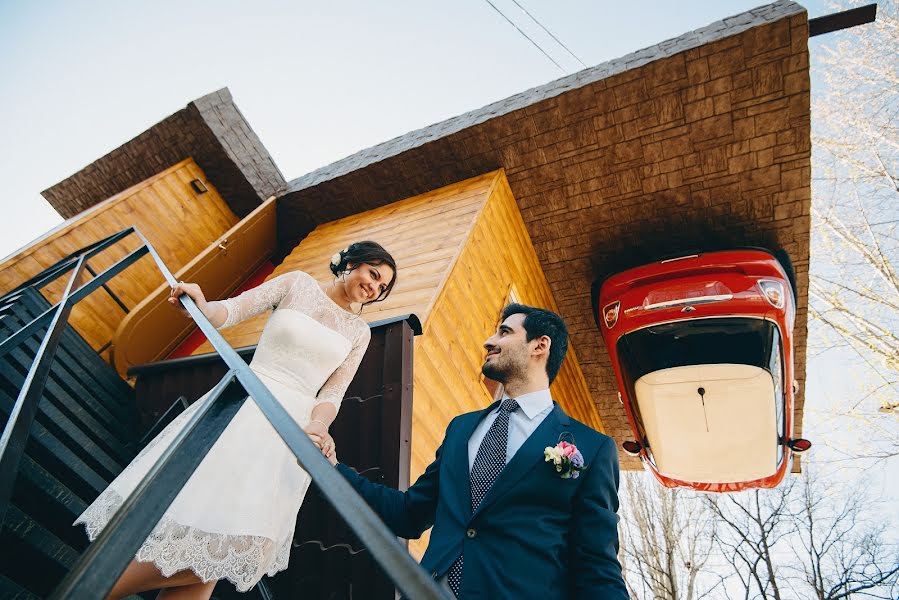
pixel 539 322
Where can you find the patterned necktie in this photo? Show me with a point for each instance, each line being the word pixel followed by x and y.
pixel 489 461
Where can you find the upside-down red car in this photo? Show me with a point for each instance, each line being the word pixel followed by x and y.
pixel 702 347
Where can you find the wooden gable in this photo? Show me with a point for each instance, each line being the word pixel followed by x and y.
pixel 460 250
pixel 175 218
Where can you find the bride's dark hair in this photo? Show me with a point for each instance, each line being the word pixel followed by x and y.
pixel 365 252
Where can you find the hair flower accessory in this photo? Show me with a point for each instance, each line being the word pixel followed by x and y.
pixel 335 260
pixel 567 459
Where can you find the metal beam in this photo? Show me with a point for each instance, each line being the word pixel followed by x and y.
pixel 842 20
pixel 95 573
pixel 387 551
pixel 76 296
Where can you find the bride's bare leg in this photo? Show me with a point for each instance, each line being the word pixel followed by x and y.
pixel 197 591
pixel 143 576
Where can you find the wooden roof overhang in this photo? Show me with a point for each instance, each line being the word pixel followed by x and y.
pixel 701 141
pixel 210 129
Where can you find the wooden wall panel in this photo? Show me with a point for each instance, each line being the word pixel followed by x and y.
pixel 448 356
pixel 460 250
pixel 424 233
pixel 152 329
pixel 175 219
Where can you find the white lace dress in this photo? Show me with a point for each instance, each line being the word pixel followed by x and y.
pixel 235 517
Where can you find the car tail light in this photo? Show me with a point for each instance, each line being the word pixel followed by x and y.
pixel 631 448
pixel 773 292
pixel 799 445
pixel 610 314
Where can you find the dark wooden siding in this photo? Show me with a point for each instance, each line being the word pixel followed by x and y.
pixel 373 433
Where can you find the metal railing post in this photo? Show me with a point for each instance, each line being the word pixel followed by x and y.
pixel 106 559
pixel 21 417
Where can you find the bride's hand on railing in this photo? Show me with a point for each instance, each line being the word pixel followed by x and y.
pixel 193 291
pixel 216 312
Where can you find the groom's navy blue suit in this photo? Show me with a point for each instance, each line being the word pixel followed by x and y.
pixel 534 535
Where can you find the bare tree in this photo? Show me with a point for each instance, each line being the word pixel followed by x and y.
pixel 853 284
pixel 843 555
pixel 752 526
pixel 667 538
pixel 810 538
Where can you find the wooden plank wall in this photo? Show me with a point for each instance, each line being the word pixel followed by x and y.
pixel 448 356
pixel 152 329
pixel 424 233
pixel 460 250
pixel 174 218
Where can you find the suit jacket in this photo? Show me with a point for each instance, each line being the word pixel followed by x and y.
pixel 534 535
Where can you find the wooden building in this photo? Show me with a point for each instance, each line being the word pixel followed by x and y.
pixel 700 141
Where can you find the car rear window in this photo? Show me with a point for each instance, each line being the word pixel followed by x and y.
pixel 731 340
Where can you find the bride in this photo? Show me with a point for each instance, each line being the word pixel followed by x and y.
pixel 234 519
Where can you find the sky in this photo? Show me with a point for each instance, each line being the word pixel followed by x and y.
pixel 317 81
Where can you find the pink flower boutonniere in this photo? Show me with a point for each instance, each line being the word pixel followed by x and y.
pixel 568 460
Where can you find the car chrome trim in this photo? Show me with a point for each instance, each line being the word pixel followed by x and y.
pixel 683 301
pixel 668 260
pixel 693 318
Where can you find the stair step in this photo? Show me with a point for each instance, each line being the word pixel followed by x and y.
pixel 56 457
pixel 76 362
pixel 64 430
pixel 60 410
pixel 32 556
pixel 50 503
pixel 10 590
pixel 32 304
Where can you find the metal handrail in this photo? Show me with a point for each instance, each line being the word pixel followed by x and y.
pixel 21 417
pixel 106 559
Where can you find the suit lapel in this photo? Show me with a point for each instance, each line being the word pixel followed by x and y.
pixel 459 466
pixel 528 456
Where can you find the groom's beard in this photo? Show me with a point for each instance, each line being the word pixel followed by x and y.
pixel 502 373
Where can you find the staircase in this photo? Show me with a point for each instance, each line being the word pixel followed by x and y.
pixel 70 425
pixel 79 442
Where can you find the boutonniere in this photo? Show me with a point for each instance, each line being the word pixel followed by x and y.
pixel 567 459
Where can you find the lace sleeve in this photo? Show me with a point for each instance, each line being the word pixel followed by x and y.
pixel 335 387
pixel 259 299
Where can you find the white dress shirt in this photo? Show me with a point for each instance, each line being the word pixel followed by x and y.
pixel 532 409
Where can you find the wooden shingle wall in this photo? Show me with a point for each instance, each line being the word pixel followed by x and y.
pixel 174 218
pixel 211 130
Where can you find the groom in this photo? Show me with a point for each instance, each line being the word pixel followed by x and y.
pixel 506 524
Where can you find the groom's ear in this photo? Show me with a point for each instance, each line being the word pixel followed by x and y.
pixel 542 345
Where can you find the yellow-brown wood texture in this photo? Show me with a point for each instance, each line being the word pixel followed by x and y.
pixel 460 250
pixel 152 329
pixel 173 217
pixel 424 234
pixel 496 256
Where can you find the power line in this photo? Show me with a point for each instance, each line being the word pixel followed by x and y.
pixel 536 45
pixel 558 41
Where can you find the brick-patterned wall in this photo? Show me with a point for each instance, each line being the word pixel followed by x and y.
pixel 210 129
pixel 700 142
